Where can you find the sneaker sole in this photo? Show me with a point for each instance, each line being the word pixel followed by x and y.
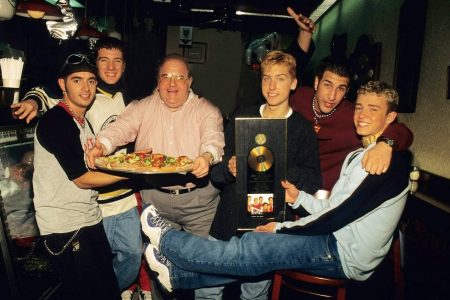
pixel 127 296
pixel 158 268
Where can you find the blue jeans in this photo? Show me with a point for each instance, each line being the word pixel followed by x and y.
pixel 124 236
pixel 258 290
pixel 250 290
pixel 198 262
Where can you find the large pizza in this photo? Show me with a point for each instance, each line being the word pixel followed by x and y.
pixel 144 163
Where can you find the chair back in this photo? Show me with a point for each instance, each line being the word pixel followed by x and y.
pixel 305 283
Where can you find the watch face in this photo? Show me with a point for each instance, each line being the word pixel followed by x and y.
pixel 388 141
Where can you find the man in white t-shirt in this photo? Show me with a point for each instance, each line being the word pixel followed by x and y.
pixel 118 203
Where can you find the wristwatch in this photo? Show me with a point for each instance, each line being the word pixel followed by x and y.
pixel 387 140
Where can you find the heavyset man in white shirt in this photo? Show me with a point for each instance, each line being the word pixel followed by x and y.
pixel 173 121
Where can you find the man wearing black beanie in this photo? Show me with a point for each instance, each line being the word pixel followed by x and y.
pixel 67 213
pixel 118 202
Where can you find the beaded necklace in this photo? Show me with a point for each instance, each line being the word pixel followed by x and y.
pixel 318 116
pixel 80 120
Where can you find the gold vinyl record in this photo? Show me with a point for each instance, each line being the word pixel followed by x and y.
pixel 260 159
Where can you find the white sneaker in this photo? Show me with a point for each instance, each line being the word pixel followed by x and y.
pixel 127 295
pixel 159 264
pixel 145 295
pixel 153 225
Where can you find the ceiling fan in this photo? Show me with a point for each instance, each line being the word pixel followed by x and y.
pixel 225 16
pixel 230 13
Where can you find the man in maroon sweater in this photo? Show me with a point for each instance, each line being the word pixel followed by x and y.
pixel 332 117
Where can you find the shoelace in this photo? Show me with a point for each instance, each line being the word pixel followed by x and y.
pixel 162 259
pixel 160 222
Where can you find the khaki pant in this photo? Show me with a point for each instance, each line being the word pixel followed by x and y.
pixel 193 212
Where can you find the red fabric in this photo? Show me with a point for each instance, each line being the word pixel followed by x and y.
pixel 337 136
pixel 401 134
pixel 144 275
pixel 132 287
pixel 139 202
pixel 144 278
pixel 302 94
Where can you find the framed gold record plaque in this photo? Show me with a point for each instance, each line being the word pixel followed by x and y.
pixel 261 146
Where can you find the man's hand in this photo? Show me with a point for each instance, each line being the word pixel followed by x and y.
pixel 291 191
pixel 232 165
pixel 26 109
pixel 377 159
pixel 200 167
pixel 96 151
pixel 303 22
pixel 270 227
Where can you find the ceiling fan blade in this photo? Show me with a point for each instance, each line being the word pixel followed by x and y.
pixel 244 13
pixel 202 10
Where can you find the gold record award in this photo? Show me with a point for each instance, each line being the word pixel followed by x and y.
pixel 260 159
pixel 261 164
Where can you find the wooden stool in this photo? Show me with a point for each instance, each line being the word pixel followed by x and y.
pixel 339 285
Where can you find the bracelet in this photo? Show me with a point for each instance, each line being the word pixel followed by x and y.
pixel 211 157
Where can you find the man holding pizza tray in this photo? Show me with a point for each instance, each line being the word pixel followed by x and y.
pixel 67 213
pixel 175 122
pixel 117 202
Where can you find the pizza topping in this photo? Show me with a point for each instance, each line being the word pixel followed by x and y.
pixel 146 162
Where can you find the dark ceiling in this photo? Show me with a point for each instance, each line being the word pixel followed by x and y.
pixel 222 15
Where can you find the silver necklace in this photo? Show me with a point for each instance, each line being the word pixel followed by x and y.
pixel 318 116
pixel 64 247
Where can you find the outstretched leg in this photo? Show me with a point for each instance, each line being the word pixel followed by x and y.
pixel 198 262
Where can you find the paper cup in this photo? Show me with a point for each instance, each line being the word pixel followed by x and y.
pixel 11 83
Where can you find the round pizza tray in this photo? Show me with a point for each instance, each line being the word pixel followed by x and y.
pixel 101 164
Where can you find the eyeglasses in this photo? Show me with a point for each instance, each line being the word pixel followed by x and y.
pixel 75 59
pixel 177 77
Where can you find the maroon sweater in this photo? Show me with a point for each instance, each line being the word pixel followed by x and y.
pixel 337 135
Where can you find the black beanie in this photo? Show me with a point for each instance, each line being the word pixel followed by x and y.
pixel 77 63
